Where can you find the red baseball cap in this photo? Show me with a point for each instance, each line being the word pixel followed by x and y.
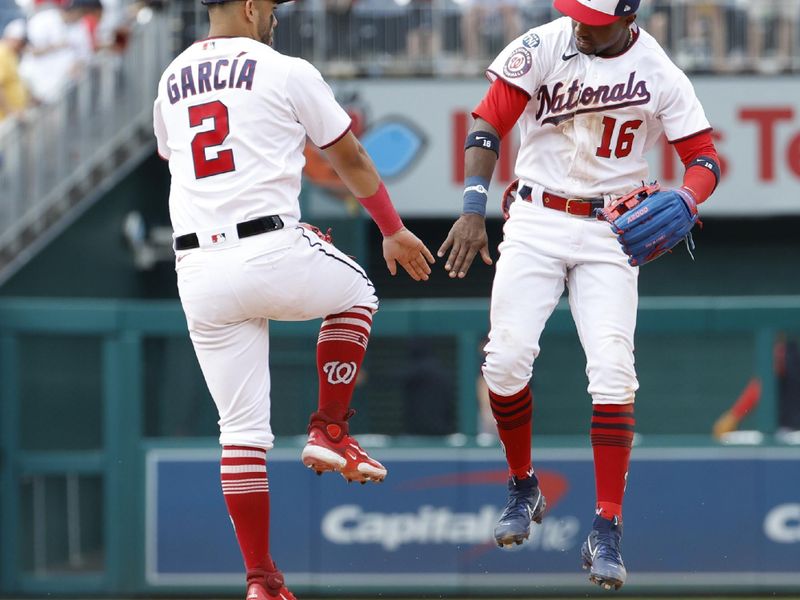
pixel 596 12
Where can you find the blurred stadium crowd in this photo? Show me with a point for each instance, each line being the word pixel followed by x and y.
pixel 459 37
pixel 46 43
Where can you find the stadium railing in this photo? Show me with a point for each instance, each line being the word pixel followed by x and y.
pixel 460 37
pixel 59 157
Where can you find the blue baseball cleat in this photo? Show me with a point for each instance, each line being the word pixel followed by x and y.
pixel 601 554
pixel 525 504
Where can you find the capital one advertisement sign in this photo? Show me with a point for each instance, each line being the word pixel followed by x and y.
pixel 700 517
pixel 415 130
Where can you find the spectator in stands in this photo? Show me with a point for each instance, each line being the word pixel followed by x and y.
pixel 763 17
pixel 89 14
pixel 656 18
pixel 114 27
pixel 479 21
pixel 13 95
pixel 59 46
pixel 81 17
pixel 423 40
pixel 45 63
pixel 339 30
pixel 705 44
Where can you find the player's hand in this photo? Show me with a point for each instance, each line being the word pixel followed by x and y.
pixel 467 237
pixel 407 249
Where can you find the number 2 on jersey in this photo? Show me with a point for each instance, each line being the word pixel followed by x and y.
pixel 624 139
pixel 223 162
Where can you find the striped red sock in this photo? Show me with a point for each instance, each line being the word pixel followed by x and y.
pixel 513 417
pixel 341 346
pixel 612 438
pixel 243 471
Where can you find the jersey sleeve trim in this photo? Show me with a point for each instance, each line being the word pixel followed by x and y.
pixel 496 77
pixel 161 156
pixel 690 136
pixel 344 133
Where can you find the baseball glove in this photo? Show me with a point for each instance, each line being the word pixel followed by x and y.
pixel 650 221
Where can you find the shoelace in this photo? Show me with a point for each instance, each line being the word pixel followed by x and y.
pixel 608 547
pixel 519 502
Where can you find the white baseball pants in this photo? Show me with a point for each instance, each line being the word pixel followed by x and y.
pixel 542 250
pixel 230 293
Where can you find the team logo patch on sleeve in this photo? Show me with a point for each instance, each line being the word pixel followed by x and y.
pixel 518 63
pixel 531 40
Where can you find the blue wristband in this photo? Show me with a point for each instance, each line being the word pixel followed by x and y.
pixel 476 193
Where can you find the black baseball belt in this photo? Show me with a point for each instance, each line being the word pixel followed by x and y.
pixel 245 229
pixel 580 207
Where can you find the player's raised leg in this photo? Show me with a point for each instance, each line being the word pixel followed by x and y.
pixel 346 302
pixel 607 339
pixel 341 346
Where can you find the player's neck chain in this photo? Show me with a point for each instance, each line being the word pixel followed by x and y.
pixel 628 44
pixel 565 57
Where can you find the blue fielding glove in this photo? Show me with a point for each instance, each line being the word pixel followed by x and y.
pixel 649 221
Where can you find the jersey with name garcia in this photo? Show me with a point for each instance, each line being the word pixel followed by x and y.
pixel 590 120
pixel 231 117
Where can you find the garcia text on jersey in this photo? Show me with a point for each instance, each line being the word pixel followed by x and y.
pixel 210 75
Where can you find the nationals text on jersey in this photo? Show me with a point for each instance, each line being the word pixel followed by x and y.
pixel 622 94
pixel 208 75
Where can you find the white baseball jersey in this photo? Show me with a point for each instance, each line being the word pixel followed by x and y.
pixel 591 119
pixel 231 117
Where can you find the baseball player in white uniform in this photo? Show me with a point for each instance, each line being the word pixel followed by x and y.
pixel 592 92
pixel 231 117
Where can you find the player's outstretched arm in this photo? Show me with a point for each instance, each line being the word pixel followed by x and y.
pixel 467 237
pixel 407 249
pixel 354 166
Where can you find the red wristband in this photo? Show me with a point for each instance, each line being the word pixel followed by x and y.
pixel 701 181
pixel 380 208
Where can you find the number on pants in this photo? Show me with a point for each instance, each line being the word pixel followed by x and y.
pixel 624 139
pixel 223 162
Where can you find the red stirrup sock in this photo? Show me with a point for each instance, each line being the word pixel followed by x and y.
pixel 513 417
pixel 341 347
pixel 612 438
pixel 243 472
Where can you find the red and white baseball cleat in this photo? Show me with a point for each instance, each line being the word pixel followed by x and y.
pixel 269 587
pixel 331 448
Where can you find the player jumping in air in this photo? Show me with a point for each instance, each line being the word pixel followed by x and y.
pixel 592 93
pixel 231 117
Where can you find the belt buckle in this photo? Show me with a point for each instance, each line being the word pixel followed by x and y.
pixel 566 206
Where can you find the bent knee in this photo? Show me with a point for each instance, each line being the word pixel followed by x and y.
pixel 509 364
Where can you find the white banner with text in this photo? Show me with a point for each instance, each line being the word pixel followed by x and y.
pixel 414 130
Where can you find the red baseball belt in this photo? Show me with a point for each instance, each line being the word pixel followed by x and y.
pixel 579 207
